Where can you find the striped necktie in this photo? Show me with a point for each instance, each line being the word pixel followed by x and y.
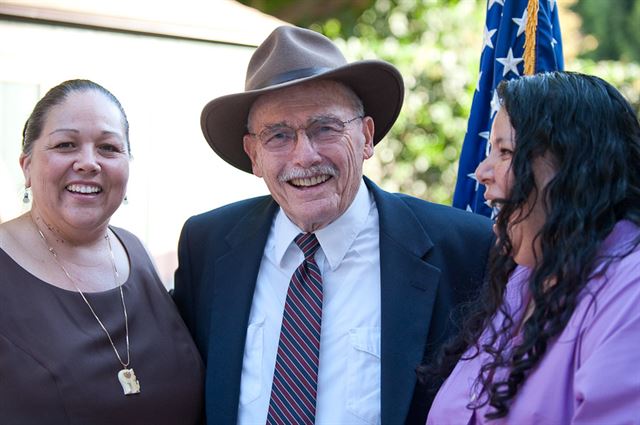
pixel 295 378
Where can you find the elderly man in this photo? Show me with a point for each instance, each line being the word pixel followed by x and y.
pixel 315 304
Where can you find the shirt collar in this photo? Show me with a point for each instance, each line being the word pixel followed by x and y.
pixel 336 238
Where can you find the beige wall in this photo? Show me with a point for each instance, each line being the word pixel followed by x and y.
pixel 163 83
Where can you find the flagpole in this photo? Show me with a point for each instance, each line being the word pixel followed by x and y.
pixel 530 37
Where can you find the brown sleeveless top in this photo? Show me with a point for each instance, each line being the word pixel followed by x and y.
pixel 58 367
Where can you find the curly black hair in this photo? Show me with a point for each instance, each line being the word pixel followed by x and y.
pixel 593 134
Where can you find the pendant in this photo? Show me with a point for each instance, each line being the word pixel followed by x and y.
pixel 129 382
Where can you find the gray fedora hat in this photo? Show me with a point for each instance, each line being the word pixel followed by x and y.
pixel 291 56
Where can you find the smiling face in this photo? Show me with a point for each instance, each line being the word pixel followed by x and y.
pixel 496 173
pixel 314 183
pixel 79 166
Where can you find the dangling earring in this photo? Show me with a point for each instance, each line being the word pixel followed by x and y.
pixel 125 201
pixel 25 197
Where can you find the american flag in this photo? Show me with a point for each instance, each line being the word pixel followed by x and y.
pixel 508 23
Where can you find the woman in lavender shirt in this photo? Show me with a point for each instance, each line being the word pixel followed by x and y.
pixel 556 337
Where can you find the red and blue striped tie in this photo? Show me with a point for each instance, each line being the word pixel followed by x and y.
pixel 295 378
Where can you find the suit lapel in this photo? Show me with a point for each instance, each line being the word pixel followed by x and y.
pixel 408 290
pixel 234 279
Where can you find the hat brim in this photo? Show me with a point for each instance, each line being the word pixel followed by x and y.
pixel 378 84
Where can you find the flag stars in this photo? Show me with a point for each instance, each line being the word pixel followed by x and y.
pixel 521 23
pixel 504 30
pixel 486 38
pixel 473 177
pixel 510 64
pixel 495 104
pixel 487 146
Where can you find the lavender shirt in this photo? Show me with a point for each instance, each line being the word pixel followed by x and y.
pixel 590 374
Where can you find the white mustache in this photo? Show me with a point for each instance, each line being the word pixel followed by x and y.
pixel 303 173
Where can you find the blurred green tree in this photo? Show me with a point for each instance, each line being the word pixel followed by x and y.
pixel 615 26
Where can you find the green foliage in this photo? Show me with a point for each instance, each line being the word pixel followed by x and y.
pixel 615 24
pixel 624 76
pixel 437 53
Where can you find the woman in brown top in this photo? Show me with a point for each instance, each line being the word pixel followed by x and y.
pixel 88 334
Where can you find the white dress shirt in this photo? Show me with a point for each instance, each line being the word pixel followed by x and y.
pixel 349 369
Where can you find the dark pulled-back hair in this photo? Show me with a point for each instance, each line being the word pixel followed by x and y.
pixel 55 96
pixel 593 135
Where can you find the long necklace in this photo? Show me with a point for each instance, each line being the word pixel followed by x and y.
pixel 126 376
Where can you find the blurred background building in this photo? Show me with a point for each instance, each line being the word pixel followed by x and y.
pixel 163 60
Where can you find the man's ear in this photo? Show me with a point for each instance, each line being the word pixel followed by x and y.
pixel 249 145
pixel 368 130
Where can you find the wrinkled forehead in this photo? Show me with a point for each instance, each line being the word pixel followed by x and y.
pixel 328 97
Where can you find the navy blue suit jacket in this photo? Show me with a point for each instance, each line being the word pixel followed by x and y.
pixel 432 259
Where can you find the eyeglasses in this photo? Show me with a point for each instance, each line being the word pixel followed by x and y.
pixel 320 131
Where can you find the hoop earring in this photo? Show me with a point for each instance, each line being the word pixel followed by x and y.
pixel 25 197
